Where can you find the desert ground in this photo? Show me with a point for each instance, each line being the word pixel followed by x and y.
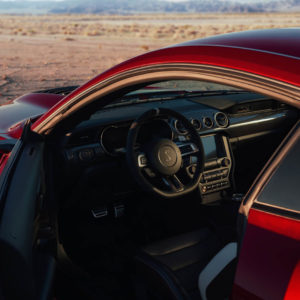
pixel 47 51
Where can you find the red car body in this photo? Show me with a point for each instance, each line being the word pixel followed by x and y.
pixel 269 262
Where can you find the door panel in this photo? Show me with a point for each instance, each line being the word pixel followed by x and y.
pixel 293 291
pixel 268 265
pixel 269 255
pixel 20 258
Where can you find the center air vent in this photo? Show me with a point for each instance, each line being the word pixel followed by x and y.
pixel 208 122
pixel 196 123
pixel 221 119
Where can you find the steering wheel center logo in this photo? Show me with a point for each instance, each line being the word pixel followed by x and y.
pixel 167 156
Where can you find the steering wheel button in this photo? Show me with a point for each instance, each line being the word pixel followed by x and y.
pixel 142 160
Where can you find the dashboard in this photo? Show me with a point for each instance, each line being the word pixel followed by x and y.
pixel 222 130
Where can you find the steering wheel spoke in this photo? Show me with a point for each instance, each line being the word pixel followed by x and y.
pixel 149 172
pixel 187 148
pixel 173 183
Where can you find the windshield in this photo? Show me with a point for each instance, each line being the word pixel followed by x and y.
pixel 171 90
pixel 187 85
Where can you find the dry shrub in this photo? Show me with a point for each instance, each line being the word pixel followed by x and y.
pixel 193 33
pixel 69 39
pixel 93 33
pixel 142 26
pixel 32 31
pixel 145 47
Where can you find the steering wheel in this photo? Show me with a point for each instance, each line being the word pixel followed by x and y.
pixel 156 164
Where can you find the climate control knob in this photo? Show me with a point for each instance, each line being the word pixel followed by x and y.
pixel 225 162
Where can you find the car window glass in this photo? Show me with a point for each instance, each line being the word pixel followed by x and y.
pixel 188 85
pixel 169 90
pixel 283 189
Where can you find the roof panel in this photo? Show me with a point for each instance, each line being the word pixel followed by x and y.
pixel 284 41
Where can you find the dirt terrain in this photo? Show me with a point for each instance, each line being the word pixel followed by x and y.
pixel 46 51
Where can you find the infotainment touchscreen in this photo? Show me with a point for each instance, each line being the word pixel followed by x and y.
pixel 209 146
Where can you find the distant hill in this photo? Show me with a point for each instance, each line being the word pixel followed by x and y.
pixel 133 6
pixel 143 6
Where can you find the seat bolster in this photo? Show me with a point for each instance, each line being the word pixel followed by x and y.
pixel 218 263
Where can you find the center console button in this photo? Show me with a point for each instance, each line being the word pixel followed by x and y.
pixel 207 177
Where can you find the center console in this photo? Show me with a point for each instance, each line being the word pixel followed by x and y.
pixel 217 166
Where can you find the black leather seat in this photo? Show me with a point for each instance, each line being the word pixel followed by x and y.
pixel 169 269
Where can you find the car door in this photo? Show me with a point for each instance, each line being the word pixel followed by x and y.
pixel 269 261
pixel 26 240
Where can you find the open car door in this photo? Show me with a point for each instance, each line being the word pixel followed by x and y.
pixel 27 240
pixel 269 261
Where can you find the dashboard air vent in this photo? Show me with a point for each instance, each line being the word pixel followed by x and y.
pixel 179 127
pixel 196 123
pixel 221 119
pixel 208 122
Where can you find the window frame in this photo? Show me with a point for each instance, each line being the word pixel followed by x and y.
pixel 263 179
